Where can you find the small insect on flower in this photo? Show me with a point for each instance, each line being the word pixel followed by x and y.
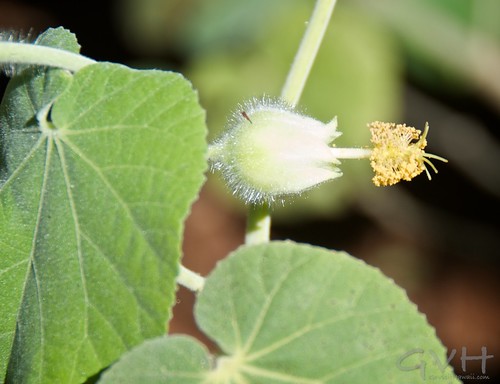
pixel 244 114
pixel 398 153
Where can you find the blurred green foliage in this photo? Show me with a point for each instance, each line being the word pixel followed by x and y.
pixel 452 47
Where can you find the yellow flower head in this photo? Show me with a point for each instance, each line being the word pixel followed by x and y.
pixel 398 153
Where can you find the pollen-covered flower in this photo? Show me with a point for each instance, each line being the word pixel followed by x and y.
pixel 269 150
pixel 398 153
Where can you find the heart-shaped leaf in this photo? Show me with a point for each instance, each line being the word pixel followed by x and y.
pixel 94 191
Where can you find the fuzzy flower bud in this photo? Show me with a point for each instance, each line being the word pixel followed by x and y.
pixel 269 150
pixel 398 153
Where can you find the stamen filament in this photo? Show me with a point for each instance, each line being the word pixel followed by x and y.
pixel 427 161
pixel 428 173
pixel 431 156
pixel 351 153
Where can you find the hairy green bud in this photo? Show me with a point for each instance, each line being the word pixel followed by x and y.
pixel 269 151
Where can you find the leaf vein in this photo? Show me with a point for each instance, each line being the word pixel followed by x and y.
pixel 370 359
pixel 32 264
pixel 113 191
pixel 74 215
pixel 267 304
pixel 118 273
pixel 287 378
pixel 99 100
pixel 307 329
pixel 22 164
pixel 13 266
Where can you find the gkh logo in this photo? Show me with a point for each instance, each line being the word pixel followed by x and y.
pixel 464 358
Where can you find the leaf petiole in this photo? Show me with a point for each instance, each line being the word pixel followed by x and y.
pixel 21 53
pixel 189 279
pixel 259 218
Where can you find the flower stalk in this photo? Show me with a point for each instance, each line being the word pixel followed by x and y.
pixel 32 54
pixel 189 279
pixel 259 228
pixel 308 50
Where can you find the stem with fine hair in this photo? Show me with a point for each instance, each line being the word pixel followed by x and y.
pixel 258 224
pixel 189 279
pixel 306 55
pixel 259 217
pixel 21 53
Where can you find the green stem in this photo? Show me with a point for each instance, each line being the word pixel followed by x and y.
pixel 306 55
pixel 189 279
pixel 19 53
pixel 258 224
pixel 259 217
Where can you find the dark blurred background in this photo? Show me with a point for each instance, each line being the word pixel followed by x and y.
pixel 406 61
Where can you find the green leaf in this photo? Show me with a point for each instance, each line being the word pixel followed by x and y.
pixel 26 94
pixel 59 38
pixel 93 197
pixel 172 359
pixel 289 313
